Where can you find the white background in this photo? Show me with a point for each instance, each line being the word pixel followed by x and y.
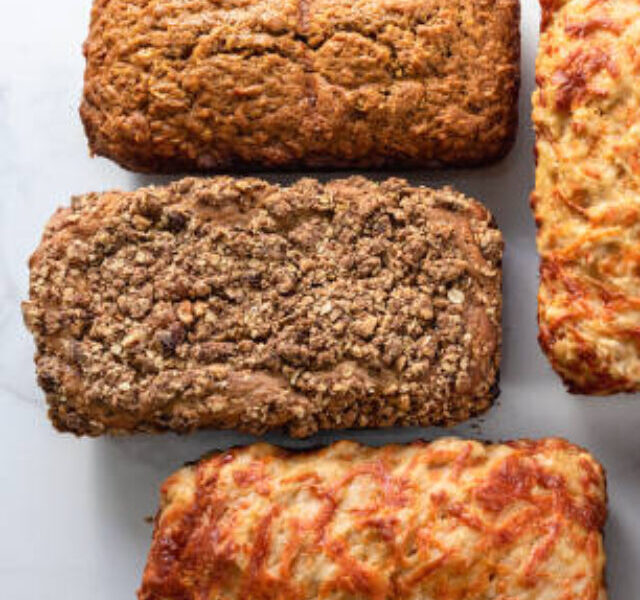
pixel 72 511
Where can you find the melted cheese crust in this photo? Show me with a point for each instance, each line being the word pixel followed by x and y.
pixel 449 520
pixel 586 112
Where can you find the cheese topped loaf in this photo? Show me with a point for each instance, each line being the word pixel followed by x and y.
pixel 216 85
pixel 450 520
pixel 587 195
pixel 235 303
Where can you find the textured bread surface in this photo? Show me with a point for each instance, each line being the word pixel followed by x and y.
pixel 587 195
pixel 175 85
pixel 450 520
pixel 234 303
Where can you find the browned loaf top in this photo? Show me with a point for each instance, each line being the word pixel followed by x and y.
pixel 586 112
pixel 234 303
pixel 450 520
pixel 199 84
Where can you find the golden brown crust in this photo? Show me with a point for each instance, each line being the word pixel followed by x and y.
pixel 451 520
pixel 586 201
pixel 234 303
pixel 181 86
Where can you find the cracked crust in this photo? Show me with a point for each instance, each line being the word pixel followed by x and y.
pixel 453 520
pixel 177 86
pixel 586 112
pixel 233 303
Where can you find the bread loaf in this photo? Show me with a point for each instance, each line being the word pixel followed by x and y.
pixel 235 303
pixel 202 85
pixel 452 520
pixel 586 202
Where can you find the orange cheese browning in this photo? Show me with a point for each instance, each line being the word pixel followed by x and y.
pixel 587 201
pixel 450 520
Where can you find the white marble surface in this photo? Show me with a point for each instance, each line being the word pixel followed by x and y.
pixel 72 518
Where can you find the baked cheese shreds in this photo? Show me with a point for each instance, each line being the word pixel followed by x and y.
pixel 452 520
pixel 586 112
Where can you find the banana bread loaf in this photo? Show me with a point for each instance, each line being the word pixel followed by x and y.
pixel 239 304
pixel 202 85
pixel 453 520
pixel 586 201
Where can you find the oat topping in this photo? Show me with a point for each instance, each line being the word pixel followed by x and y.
pixel 234 303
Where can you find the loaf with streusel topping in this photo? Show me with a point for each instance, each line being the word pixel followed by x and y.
pixel 201 85
pixel 235 303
